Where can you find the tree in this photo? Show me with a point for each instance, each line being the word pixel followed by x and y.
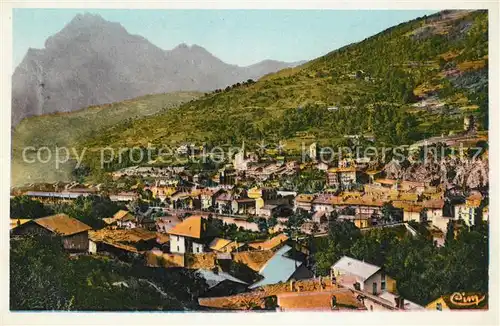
pixel 147 195
pixel 272 221
pixel 341 236
pixel 387 211
pixel 25 207
pixel 450 233
pixel 442 62
pixel 423 215
pixel 42 277
pixel 90 210
pixel 262 223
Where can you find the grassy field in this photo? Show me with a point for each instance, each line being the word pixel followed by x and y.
pixel 69 129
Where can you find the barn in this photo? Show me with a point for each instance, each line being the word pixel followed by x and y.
pixel 74 234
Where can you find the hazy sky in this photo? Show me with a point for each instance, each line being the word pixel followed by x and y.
pixel 239 37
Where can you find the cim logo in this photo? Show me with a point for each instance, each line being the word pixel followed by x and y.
pixel 460 299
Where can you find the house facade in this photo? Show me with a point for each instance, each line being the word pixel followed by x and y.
pixel 434 209
pixel 190 236
pixel 362 276
pixel 303 201
pixel 341 177
pixel 323 202
pixel 467 212
pixel 243 206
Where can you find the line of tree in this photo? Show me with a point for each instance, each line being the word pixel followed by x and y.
pixel 423 271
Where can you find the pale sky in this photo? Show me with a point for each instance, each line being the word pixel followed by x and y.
pixel 241 37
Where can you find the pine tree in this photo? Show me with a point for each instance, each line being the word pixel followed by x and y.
pixel 450 233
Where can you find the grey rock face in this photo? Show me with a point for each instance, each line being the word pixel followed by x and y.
pixel 463 172
pixel 92 61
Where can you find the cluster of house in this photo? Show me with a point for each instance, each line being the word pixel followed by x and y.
pixel 276 274
pixel 413 201
pixel 366 206
pixel 68 191
pixel 151 172
pixel 353 285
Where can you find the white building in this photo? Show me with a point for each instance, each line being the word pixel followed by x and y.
pixel 376 289
pixel 361 276
pixel 189 236
pixel 466 213
pixel 240 162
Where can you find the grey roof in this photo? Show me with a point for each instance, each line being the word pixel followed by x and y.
pixel 356 267
pixel 56 194
pixel 318 214
pixel 269 206
pixel 213 279
pixel 408 305
pixel 277 269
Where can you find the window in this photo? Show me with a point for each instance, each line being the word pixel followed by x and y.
pixel 439 306
pixel 178 249
pixel 382 282
pixel 374 287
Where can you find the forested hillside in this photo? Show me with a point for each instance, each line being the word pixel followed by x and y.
pixel 374 84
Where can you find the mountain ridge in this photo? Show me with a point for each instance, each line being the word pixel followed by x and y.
pixel 92 61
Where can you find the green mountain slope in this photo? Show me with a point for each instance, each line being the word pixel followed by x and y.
pixel 374 83
pixel 69 129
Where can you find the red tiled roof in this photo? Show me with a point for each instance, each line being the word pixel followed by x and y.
pixel 193 227
pixel 386 181
pixel 434 204
pixel 319 300
pixel 62 224
pixel 269 244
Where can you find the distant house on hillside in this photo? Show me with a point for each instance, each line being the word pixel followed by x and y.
pixel 303 201
pixel 274 243
pixel 243 206
pixel 124 197
pixel 74 234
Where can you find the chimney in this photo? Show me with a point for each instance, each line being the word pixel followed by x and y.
pixel 334 302
pixel 400 302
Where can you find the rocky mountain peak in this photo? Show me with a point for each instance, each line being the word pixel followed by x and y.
pixel 93 61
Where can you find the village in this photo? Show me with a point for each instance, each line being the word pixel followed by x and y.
pixel 249 239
